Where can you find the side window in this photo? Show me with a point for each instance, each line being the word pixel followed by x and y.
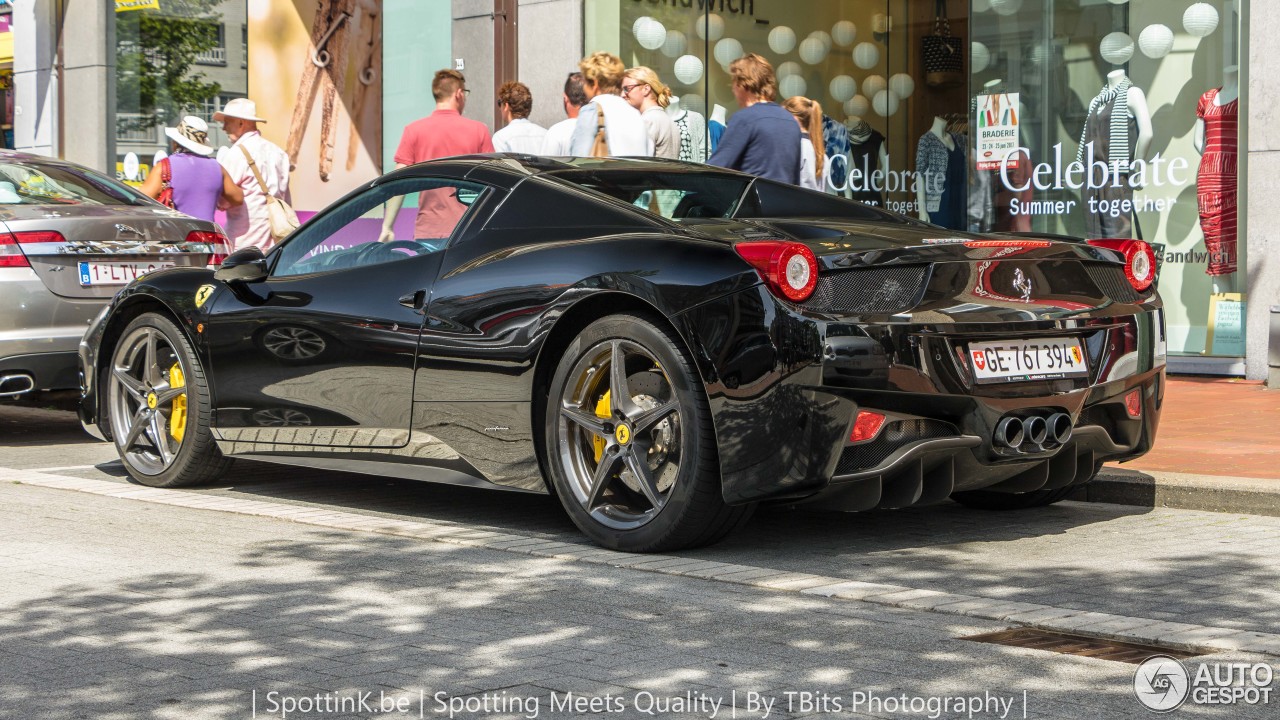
pixel 394 221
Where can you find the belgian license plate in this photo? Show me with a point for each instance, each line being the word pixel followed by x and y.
pixel 1018 360
pixel 117 273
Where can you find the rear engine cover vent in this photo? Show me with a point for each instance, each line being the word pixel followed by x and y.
pixel 1079 645
pixel 870 291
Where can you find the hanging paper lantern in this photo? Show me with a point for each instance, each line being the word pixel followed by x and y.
pixel 857 106
pixel 844 33
pixel 1038 55
pixel 675 44
pixel 1200 19
pixel 1156 41
pixel 727 50
pixel 979 57
pixel 843 88
pixel 885 103
pixel 874 84
pixel 1116 48
pixel 688 69
pixel 866 55
pixel 782 39
pixel 650 33
pixel 981 5
pixel 902 85
pixel 789 67
pixel 812 51
pixel 710 27
pixel 635 26
pixel 793 85
pixel 1119 2
pixel 822 36
pixel 1006 7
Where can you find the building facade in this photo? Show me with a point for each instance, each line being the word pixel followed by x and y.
pixel 1091 118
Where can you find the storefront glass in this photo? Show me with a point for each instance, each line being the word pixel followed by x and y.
pixel 173 58
pixel 1118 119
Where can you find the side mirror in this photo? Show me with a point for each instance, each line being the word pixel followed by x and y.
pixel 247 265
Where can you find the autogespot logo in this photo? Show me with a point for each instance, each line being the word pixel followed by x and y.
pixel 1161 683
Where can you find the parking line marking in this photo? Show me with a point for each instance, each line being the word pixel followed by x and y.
pixel 1079 622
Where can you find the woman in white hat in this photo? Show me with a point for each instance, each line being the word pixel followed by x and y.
pixel 190 180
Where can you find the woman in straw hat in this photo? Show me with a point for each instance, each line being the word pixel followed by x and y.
pixel 190 180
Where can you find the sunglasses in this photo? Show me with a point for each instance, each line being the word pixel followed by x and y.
pixel 628 88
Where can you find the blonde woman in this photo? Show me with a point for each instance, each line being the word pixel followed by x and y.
pixel 646 93
pixel 606 112
pixel 809 114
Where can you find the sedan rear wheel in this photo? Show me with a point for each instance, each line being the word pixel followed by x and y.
pixel 630 444
pixel 158 407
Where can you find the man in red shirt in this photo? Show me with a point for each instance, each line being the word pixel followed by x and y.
pixel 443 133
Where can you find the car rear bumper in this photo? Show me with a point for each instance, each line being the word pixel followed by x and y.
pixel 785 388
pixel 48 371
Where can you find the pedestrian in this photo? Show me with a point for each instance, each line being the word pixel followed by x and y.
pixel 559 136
pixel 518 135
pixel 607 125
pixel 646 93
pixel 190 180
pixel 443 133
pixel 808 113
pixel 762 138
pixel 250 224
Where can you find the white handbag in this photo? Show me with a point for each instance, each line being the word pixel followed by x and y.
pixel 280 217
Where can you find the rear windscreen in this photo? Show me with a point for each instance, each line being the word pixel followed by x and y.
pixel 673 195
pixel 29 183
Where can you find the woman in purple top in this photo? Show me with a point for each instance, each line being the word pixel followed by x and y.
pixel 196 183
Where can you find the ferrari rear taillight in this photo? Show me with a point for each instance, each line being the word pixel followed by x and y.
pixel 216 241
pixel 11 254
pixel 1139 260
pixel 789 269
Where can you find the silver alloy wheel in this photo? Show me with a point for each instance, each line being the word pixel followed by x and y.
pixel 142 399
pixel 291 342
pixel 627 483
pixel 281 417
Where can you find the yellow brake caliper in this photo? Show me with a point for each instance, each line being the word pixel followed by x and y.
pixel 602 412
pixel 178 416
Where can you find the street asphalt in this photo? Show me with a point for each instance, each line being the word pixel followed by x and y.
pixel 287 586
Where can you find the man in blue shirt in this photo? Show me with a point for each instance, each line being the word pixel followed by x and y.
pixel 762 138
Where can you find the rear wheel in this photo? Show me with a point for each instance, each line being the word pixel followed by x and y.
pixel 989 500
pixel 629 444
pixel 158 407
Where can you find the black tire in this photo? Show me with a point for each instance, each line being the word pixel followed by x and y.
pixel 690 511
pixel 989 500
pixel 196 459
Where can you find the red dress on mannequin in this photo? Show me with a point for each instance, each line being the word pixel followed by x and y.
pixel 1216 183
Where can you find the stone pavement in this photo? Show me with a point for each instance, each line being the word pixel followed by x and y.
pixel 124 608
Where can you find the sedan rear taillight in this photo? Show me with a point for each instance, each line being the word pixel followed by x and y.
pixel 789 269
pixel 11 254
pixel 1139 260
pixel 217 242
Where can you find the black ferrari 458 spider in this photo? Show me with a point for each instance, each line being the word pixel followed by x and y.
pixel 661 345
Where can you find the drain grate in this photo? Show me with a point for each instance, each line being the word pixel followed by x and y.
pixel 1079 645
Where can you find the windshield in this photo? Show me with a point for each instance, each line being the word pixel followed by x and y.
pixel 28 183
pixel 673 195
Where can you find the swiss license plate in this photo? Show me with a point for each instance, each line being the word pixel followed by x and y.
pixel 1018 360
pixel 118 273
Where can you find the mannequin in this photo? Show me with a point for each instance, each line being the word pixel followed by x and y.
pixel 865 142
pixel 1217 141
pixel 693 131
pixel 940 189
pixel 1131 137
pixel 716 124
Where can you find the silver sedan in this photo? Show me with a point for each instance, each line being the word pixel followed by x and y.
pixel 70 238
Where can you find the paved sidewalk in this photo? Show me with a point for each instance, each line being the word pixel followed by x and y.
pixel 119 609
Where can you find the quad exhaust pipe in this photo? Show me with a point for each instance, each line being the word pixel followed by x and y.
pixel 16 384
pixel 1034 433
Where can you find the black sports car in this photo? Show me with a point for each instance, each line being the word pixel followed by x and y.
pixel 661 345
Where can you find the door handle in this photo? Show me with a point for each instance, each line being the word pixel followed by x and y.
pixel 415 300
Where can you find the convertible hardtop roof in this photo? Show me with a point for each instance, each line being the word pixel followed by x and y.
pixel 519 164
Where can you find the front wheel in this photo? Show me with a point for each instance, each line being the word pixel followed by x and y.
pixel 630 448
pixel 158 407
